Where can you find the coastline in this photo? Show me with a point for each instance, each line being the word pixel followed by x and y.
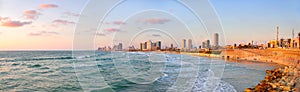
pixel 286 77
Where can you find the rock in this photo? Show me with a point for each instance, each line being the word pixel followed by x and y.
pixel 273 85
pixel 278 80
pixel 269 72
pixel 248 90
pixel 286 88
pixel 292 83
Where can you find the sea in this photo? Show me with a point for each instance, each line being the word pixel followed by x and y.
pixel 98 71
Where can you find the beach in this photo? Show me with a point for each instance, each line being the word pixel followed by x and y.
pixel 286 61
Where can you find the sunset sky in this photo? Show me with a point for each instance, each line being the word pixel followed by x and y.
pixel 50 24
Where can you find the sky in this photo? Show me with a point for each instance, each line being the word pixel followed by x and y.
pixel 52 24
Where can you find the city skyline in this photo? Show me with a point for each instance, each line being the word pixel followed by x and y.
pixel 50 24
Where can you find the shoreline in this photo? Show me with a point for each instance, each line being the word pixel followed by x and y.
pixel 283 78
pixel 286 77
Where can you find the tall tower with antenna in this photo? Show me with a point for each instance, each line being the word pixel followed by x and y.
pixel 277 33
pixel 293 34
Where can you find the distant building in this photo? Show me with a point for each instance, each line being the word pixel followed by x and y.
pixel 131 48
pixel 190 44
pixel 120 47
pixel 272 44
pixel 183 43
pixel 216 40
pixel 295 42
pixel 206 44
pixel 145 46
pixel 158 44
pixel 149 45
pixel 141 46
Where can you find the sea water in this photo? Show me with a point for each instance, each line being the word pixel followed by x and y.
pixel 124 72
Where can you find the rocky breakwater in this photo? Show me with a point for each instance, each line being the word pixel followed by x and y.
pixel 286 79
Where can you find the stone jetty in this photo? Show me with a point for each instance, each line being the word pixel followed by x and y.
pixel 284 79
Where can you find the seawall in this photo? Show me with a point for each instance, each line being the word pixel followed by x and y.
pixel 289 57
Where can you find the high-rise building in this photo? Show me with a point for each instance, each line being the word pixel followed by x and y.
pixel 141 46
pixel 158 44
pixel 183 43
pixel 120 46
pixel 203 45
pixel 216 40
pixel 149 45
pixel 190 44
pixel 206 44
pixel 145 46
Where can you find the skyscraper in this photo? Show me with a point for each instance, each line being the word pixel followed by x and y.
pixel 206 44
pixel 158 44
pixel 120 46
pixel 190 44
pixel 145 46
pixel 216 40
pixel 149 45
pixel 183 43
pixel 277 33
pixel 141 46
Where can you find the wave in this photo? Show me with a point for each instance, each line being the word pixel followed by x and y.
pixel 35 59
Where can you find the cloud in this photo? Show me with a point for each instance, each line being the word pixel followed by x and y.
pixel 7 22
pixel 14 23
pixel 62 22
pixel 155 20
pixel 118 22
pixel 43 33
pixel 100 34
pixel 71 14
pixel 45 6
pixel 4 18
pixel 31 14
pixel 112 30
pixel 156 35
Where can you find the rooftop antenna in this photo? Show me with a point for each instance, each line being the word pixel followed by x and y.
pixel 293 33
pixel 277 32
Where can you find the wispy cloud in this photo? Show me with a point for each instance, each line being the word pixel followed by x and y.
pixel 31 14
pixel 62 22
pixel 4 18
pixel 71 14
pixel 100 34
pixel 112 30
pixel 156 35
pixel 7 22
pixel 45 6
pixel 155 20
pixel 118 22
pixel 43 33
